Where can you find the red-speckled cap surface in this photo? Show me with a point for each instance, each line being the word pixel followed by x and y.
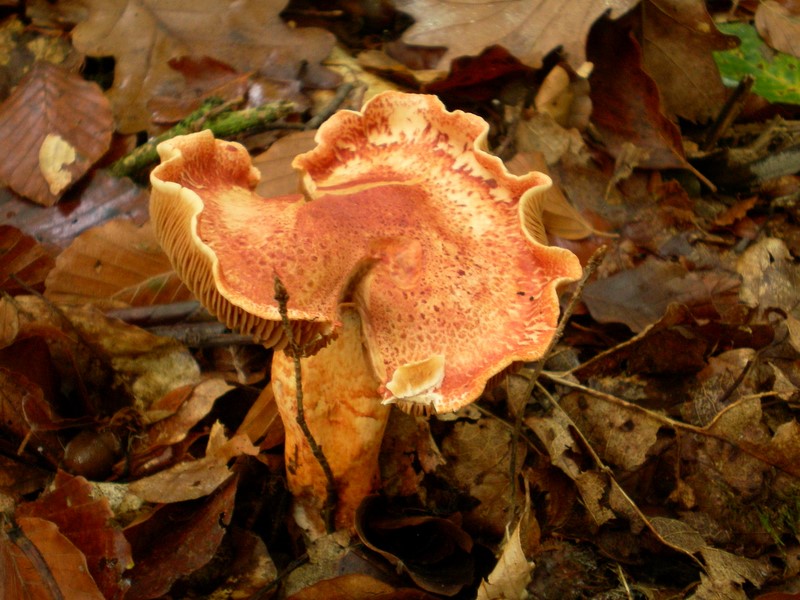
pixel 402 213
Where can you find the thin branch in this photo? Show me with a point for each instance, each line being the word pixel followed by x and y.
pixel 342 92
pixel 223 123
pixel 282 298
pixel 591 267
pixel 729 112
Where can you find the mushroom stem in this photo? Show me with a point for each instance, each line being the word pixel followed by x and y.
pixel 343 411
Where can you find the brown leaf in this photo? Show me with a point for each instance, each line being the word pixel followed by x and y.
pixel 444 565
pixel 167 430
pixel 197 478
pixel 278 178
pixel 19 397
pixel 770 277
pixel 639 297
pixel 86 522
pixel 176 540
pixel 104 197
pixel 144 36
pixel 204 78
pixel 45 151
pixel 39 563
pixel 529 30
pixel 24 45
pixel 678 38
pixel 511 575
pixel 115 261
pixel 622 438
pixel 21 258
pixel 477 456
pixel 109 363
pixel 627 107
pixel 779 26
pixel 355 586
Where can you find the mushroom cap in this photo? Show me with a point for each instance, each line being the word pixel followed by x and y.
pixel 403 213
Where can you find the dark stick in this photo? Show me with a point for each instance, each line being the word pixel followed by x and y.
pixel 590 268
pixel 282 298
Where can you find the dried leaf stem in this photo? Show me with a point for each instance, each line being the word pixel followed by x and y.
pixel 224 123
pixel 282 298
pixel 588 271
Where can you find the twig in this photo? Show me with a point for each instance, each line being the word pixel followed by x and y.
pixel 225 124
pixel 591 267
pixel 157 314
pixel 729 112
pixel 201 335
pixel 342 92
pixel 282 298
pixel 267 590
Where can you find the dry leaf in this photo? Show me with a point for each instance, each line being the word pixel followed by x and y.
pixel 770 277
pixel 639 297
pixel 528 29
pixel 779 26
pixel 23 262
pixel 622 438
pixel 39 563
pixel 116 261
pixel 55 125
pixel 176 540
pixel 354 587
pixel 678 37
pixel 173 428
pixel 627 106
pixel 107 354
pixel 510 577
pixel 103 198
pixel 278 178
pixel 197 478
pixel 477 456
pixel 143 35
pixel 87 523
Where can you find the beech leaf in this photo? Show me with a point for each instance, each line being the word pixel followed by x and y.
pixel 116 261
pixel 22 261
pixel 37 562
pixel 55 125
pixel 86 522
pixel 143 35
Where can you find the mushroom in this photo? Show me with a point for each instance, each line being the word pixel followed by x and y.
pixel 412 261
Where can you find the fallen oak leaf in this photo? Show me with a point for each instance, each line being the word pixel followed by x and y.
pixel 143 35
pixel 512 573
pixel 53 127
pixel 527 29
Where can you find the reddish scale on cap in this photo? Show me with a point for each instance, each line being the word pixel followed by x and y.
pixel 403 213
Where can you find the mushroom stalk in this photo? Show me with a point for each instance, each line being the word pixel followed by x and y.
pixel 410 252
pixel 343 411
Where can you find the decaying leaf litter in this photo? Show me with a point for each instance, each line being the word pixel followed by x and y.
pixel 654 454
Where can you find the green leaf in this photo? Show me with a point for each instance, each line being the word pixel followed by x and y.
pixel 777 75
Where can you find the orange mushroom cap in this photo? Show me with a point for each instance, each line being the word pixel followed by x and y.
pixel 403 213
